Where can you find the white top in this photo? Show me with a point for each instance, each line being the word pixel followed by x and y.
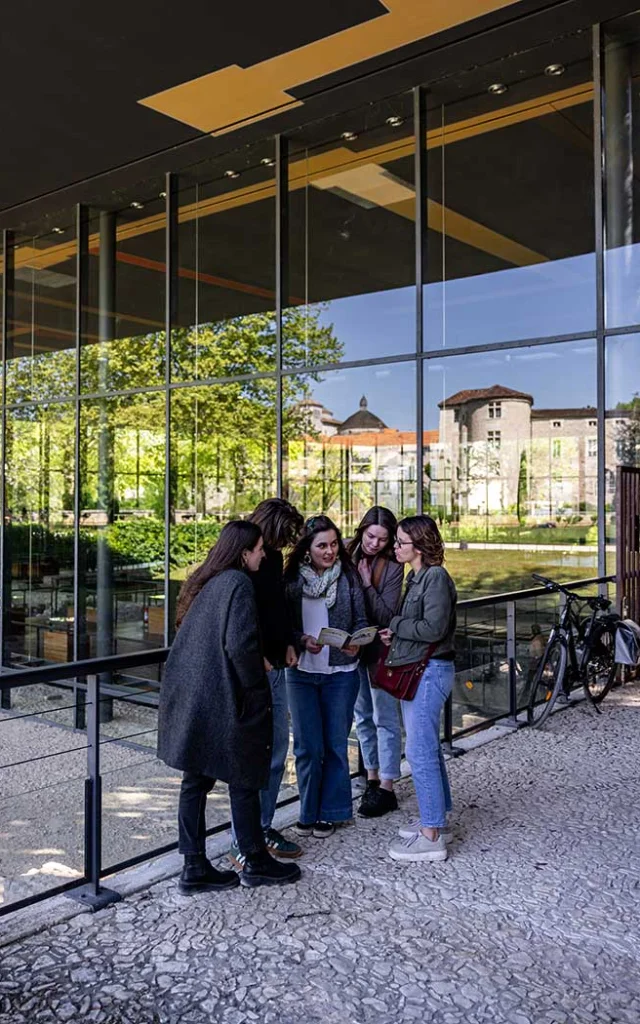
pixel 315 616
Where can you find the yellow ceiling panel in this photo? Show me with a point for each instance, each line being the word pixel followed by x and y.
pixel 231 96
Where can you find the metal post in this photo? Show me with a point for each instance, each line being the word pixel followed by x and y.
pixel 93 895
pixel 599 199
pixel 512 721
pixel 5 548
pixel 420 176
pixel 171 317
pixel 80 636
pixel 282 283
pixel 447 737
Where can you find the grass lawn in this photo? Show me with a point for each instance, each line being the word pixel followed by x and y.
pixel 479 572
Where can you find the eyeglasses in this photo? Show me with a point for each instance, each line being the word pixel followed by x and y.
pixel 402 543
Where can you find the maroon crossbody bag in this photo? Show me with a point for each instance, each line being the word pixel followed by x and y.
pixel 401 681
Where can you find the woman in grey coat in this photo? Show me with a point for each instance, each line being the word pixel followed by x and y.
pixel 377 713
pixel 215 716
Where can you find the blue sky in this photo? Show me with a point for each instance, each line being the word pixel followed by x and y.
pixel 551 298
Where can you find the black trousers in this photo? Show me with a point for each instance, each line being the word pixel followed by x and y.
pixel 192 825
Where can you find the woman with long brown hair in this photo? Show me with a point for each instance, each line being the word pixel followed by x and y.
pixel 215 715
pixel 323 591
pixel 424 631
pixel 377 713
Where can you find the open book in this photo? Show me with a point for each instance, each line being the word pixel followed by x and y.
pixel 330 637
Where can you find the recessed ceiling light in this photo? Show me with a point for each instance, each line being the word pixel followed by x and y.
pixel 58 231
pixel 349 136
pixel 552 70
pixel 163 195
pixel 137 206
pixel 497 89
pixel 267 161
pixel 231 174
pixel 394 121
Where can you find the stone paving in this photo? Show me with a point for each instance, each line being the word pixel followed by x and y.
pixel 534 918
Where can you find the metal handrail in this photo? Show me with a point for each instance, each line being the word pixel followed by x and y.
pixel 523 595
pixel 12 678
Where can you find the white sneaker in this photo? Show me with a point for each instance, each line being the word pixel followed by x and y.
pixel 413 827
pixel 418 848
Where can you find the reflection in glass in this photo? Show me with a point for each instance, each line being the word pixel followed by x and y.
pixel 510 209
pixel 621 142
pixel 41 338
pixel 350 442
pixel 622 421
pixel 223 462
pixel 511 468
pixel 40 462
pixel 226 275
pixel 351 216
pixel 122 475
pixel 124 337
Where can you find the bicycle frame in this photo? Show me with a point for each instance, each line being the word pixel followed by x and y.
pixel 568 628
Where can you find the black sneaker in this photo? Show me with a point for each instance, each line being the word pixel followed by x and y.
pixel 263 869
pixel 369 795
pixel 322 829
pixel 384 801
pixel 198 875
pixel 303 830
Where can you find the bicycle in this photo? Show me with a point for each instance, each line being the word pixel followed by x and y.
pixel 579 650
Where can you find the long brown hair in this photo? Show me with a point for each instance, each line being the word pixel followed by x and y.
pixel 235 538
pixel 425 537
pixel 313 526
pixel 376 516
pixel 280 522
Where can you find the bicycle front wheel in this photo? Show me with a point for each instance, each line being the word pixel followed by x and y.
pixel 547 683
pixel 600 672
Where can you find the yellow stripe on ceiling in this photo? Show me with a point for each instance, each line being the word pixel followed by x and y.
pixel 303 171
pixel 233 95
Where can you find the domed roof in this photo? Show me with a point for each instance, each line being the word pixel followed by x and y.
pixel 362 420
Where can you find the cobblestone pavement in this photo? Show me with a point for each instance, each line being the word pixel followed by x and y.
pixel 534 918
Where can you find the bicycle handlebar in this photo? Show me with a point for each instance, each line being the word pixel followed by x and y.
pixel 594 602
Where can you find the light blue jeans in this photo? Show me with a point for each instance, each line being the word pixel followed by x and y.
pixel 379 728
pixel 269 795
pixel 424 752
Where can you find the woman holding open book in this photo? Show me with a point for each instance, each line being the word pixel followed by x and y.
pixel 377 713
pixel 329 627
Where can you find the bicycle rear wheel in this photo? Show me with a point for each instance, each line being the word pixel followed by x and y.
pixel 600 672
pixel 547 683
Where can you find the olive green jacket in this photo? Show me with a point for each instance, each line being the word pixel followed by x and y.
pixel 427 616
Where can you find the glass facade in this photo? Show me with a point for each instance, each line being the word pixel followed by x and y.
pixel 429 302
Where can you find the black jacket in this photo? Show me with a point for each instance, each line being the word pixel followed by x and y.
pixel 273 612
pixel 215 713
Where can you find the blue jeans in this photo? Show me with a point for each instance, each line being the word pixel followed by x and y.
pixel 424 752
pixel 269 795
pixel 322 716
pixel 379 728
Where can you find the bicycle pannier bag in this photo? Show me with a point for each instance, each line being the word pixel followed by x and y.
pixel 628 642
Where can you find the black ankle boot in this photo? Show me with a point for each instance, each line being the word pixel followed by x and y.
pixel 198 875
pixel 263 869
pixel 370 793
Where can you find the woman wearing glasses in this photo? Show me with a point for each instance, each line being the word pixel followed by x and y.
pixel 377 713
pixel 425 625
pixel 323 590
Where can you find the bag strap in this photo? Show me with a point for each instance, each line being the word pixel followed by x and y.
pixel 378 572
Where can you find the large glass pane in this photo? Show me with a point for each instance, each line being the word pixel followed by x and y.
pixel 226 258
pixel 350 441
pixel 41 338
pixel 223 450
pixel 510 464
pixel 622 422
pixel 622 160
pixel 510 209
pixel 122 469
pixel 352 214
pixel 40 460
pixel 124 325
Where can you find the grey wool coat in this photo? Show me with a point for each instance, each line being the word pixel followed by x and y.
pixel 215 714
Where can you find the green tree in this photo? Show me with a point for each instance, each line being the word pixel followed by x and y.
pixel 523 489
